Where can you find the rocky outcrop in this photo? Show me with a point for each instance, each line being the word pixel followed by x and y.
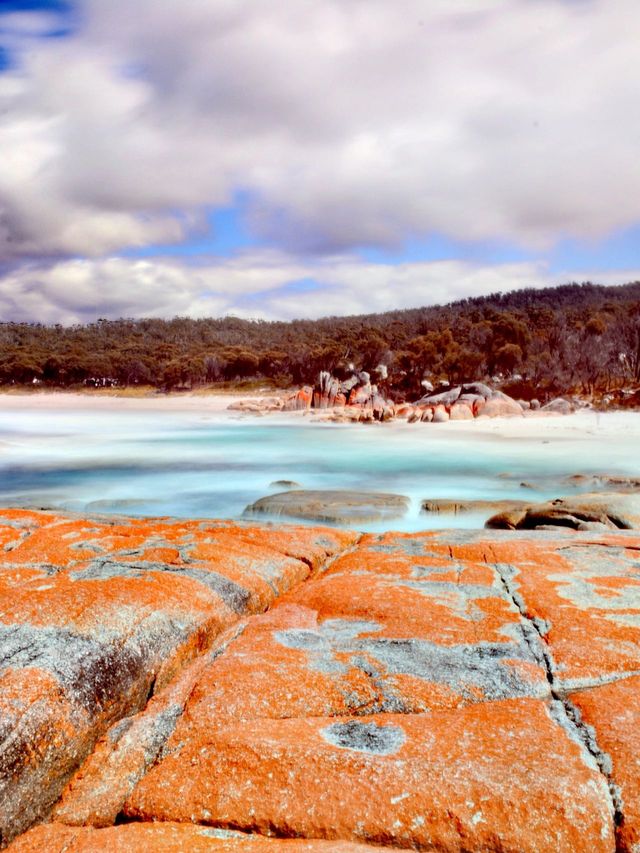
pixel 96 616
pixel 356 393
pixel 335 506
pixel 396 700
pixel 465 402
pixel 357 399
pixel 585 512
pixel 446 690
pixel 299 401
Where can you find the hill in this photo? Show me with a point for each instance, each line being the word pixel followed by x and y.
pixel 575 337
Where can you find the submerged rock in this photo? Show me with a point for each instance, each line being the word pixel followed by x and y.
pixel 336 506
pixel 452 505
pixel 607 482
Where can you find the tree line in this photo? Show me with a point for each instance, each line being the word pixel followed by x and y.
pixel 572 338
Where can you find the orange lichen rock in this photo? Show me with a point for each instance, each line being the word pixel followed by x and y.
pixel 477 778
pixel 96 615
pixel 168 838
pixel 583 596
pixel 612 712
pixel 186 685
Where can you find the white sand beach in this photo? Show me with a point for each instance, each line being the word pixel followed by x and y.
pixel 605 425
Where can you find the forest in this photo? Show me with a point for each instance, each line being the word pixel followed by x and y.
pixel 575 338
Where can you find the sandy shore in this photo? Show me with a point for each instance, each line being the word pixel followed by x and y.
pixel 61 401
pixel 604 425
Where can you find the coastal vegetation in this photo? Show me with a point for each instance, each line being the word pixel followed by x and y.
pixel 573 338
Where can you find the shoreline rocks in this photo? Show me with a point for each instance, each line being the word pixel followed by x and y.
pixel 332 506
pixel 358 399
pixel 460 507
pixel 581 512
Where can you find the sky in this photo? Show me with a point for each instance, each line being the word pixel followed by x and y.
pixel 276 159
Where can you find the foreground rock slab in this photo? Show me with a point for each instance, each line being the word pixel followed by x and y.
pixel 448 690
pixel 442 780
pixel 335 506
pixel 96 616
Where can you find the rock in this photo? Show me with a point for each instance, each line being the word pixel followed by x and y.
pixel 474 401
pixel 535 404
pixel 285 484
pixel 257 405
pixel 617 512
pixel 440 415
pixel 449 690
pixel 559 406
pixel 97 616
pixel 508 519
pixel 500 407
pixel 612 711
pixel 460 412
pixel 478 388
pixel 169 837
pixel 290 711
pixel 416 415
pixel 328 388
pixel 607 482
pixel 449 505
pixel 404 411
pixel 299 401
pixel 427 415
pixel 444 398
pixel 337 507
pixel 360 396
pixel 287 766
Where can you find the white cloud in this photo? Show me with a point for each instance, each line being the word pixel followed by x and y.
pixel 347 121
pixel 257 285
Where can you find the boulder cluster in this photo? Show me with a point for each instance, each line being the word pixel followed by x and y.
pixel 358 399
pixel 464 403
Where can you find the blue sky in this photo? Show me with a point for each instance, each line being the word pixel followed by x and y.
pixel 165 158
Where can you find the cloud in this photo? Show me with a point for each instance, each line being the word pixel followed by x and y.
pixel 266 285
pixel 346 122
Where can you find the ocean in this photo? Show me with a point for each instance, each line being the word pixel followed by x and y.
pixel 190 463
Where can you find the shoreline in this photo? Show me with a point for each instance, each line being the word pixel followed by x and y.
pixel 548 426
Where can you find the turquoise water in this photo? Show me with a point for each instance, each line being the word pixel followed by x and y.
pixel 190 464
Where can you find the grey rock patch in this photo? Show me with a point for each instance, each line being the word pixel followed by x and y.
pixel 465 668
pixel 236 597
pixel 468 669
pixel 365 737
